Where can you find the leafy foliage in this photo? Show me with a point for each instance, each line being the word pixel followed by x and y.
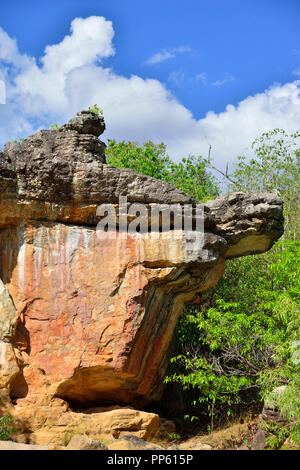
pixel 231 346
pixel 239 342
pixel 147 159
pixel 54 127
pixel 190 175
pixel 275 167
pixel 96 109
pixel 275 163
pixel 6 427
pixel 277 434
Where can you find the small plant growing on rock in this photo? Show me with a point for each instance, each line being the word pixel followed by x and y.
pixel 6 427
pixel 96 109
pixel 277 434
pixel 173 436
pixel 15 141
pixel 54 127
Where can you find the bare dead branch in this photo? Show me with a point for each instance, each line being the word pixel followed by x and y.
pixel 240 187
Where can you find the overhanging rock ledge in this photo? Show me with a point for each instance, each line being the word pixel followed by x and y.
pixel 88 320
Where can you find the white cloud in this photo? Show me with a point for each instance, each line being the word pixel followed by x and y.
pixel 233 130
pixel 71 76
pixel 228 78
pixel 176 77
pixel 8 48
pixel 201 77
pixel 166 54
pixel 2 92
pixel 89 42
pixel 296 72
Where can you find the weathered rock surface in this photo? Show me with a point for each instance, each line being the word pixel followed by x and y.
pixel 10 445
pixel 86 122
pixel 52 422
pixel 241 219
pixel 80 442
pixel 8 315
pixel 271 411
pixel 260 440
pixel 271 415
pixel 129 442
pixel 89 319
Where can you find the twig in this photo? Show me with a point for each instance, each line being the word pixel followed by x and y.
pixel 221 172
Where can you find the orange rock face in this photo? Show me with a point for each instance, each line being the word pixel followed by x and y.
pixel 94 322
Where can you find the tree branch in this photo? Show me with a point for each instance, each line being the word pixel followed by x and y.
pixel 221 172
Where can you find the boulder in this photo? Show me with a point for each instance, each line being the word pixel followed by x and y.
pixel 52 422
pixel 81 442
pixel 129 442
pixel 271 411
pixel 86 122
pixel 11 445
pixel 270 414
pixel 260 440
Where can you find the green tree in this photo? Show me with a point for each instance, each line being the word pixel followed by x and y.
pixel 190 175
pixel 147 159
pixel 275 167
pixel 240 339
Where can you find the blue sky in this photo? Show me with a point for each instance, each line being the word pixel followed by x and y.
pixel 187 73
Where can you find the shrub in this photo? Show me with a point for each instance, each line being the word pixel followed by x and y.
pixel 6 427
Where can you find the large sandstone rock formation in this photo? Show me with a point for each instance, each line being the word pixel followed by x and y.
pixel 89 319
